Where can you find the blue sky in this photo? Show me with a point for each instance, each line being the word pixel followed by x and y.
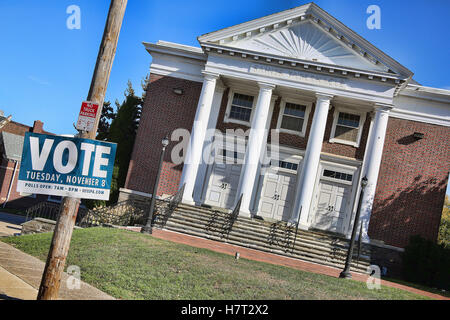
pixel 46 68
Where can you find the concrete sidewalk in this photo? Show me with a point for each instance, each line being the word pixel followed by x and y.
pixel 10 224
pixel 21 274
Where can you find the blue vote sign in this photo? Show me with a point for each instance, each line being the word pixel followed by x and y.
pixel 64 166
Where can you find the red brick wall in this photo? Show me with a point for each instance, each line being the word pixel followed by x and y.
pixel 20 129
pixel 412 182
pixel 163 112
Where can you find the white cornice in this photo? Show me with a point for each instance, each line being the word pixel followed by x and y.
pixel 176 50
pixel 420 117
pixel 304 64
pixel 427 93
pixel 259 23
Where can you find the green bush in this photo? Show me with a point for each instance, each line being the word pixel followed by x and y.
pixel 427 263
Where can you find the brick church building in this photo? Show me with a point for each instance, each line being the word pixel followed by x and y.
pixel 288 113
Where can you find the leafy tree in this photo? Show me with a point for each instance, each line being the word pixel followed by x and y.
pixel 123 132
pixel 144 84
pixel 444 229
pixel 119 127
pixel 104 124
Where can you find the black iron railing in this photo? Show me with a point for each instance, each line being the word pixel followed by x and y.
pixel 50 210
pixel 233 216
pixel 167 207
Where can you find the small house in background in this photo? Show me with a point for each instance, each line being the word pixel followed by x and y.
pixel 11 143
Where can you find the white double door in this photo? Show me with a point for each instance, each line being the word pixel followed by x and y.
pixel 332 207
pixel 277 195
pixel 223 184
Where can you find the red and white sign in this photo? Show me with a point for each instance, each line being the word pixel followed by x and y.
pixel 87 116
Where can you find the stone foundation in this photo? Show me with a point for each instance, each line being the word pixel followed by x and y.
pixel 388 258
pixel 39 225
pixel 137 196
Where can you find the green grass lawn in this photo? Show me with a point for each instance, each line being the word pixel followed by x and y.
pixel 130 265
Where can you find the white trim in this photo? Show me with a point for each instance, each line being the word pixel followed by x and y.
pixel 420 117
pixel 310 11
pixel 305 119
pixel 362 120
pixel 283 78
pixel 173 48
pixel 139 193
pixel 165 64
pixel 336 164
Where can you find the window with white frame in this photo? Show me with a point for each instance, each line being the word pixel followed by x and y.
pixel 347 127
pixel 241 107
pixel 293 116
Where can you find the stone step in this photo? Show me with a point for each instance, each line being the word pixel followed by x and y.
pixel 313 246
pixel 260 224
pixel 357 267
pixel 256 235
pixel 261 239
pixel 299 251
pixel 326 242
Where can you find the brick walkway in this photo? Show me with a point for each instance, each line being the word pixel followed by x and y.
pixel 272 258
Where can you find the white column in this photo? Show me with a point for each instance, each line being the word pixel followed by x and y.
pixel 374 153
pixel 198 133
pixel 208 143
pixel 310 163
pixel 255 147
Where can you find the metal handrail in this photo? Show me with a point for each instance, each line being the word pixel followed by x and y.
pixel 296 228
pixel 47 210
pixel 172 203
pixel 233 216
pixel 50 210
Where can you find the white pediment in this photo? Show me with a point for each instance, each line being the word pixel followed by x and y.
pixel 306 33
pixel 306 41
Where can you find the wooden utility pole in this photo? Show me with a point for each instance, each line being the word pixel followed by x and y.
pixel 51 279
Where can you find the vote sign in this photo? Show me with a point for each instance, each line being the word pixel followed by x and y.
pixel 64 166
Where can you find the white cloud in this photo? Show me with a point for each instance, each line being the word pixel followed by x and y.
pixel 38 80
